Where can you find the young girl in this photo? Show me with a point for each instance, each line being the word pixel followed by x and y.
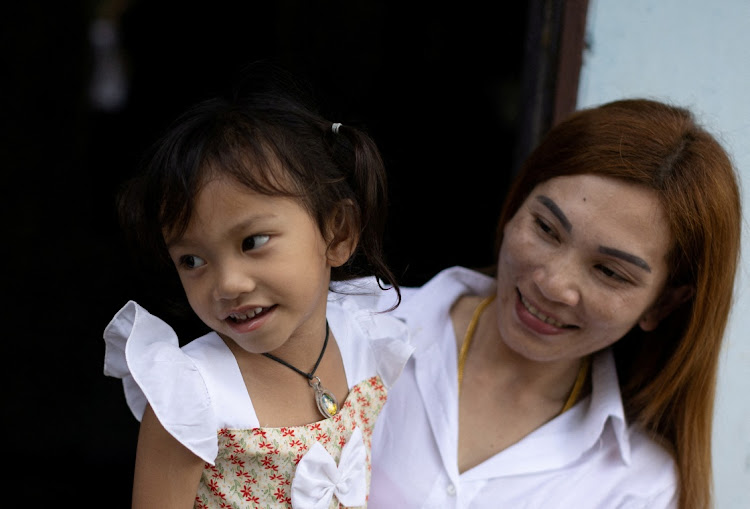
pixel 259 203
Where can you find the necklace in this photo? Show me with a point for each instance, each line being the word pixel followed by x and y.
pixel 326 401
pixel 469 336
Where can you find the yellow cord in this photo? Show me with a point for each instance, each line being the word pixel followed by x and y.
pixel 469 336
pixel 583 371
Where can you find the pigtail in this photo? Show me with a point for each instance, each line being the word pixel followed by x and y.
pixel 355 152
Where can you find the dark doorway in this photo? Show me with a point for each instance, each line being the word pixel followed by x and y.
pixel 442 89
pixel 437 87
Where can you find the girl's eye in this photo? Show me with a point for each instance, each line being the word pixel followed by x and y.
pixel 611 273
pixel 191 261
pixel 254 242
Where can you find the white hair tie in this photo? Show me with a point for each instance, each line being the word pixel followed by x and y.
pixel 335 128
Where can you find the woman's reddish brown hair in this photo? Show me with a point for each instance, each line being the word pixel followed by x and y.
pixel 667 376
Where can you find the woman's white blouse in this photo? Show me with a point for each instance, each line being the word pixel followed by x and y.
pixel 588 457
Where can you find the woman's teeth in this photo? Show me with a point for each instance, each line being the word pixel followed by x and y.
pixel 239 317
pixel 534 311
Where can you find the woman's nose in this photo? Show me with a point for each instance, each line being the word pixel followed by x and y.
pixel 559 280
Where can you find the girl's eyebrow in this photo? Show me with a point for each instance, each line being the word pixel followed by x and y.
pixel 175 242
pixel 251 221
pixel 635 260
pixel 552 206
pixel 245 224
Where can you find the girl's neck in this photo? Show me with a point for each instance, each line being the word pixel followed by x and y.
pixel 280 396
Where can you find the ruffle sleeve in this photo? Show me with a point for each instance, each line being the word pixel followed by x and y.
pixel 144 352
pixel 383 334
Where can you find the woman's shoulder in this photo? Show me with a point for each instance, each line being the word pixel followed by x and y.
pixel 651 474
pixel 647 451
pixel 642 456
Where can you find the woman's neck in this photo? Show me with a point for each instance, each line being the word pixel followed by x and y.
pixel 528 378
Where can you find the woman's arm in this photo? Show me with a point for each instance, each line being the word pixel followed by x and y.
pixel 166 472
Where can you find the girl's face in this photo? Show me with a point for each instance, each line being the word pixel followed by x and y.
pixel 254 268
pixel 582 261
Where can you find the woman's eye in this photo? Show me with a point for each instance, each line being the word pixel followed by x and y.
pixel 191 261
pixel 611 273
pixel 254 242
pixel 544 226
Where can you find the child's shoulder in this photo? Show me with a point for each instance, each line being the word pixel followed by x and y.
pixel 177 383
pixel 372 340
pixel 364 294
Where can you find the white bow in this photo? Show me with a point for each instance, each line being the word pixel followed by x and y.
pixel 317 477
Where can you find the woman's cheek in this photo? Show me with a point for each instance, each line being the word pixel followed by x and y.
pixel 518 246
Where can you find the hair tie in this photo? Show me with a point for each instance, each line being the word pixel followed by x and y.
pixel 335 128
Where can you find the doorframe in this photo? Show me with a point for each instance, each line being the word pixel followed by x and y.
pixel 553 56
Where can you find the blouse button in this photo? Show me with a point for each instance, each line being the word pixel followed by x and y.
pixel 451 490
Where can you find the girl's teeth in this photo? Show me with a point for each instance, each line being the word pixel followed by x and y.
pixel 245 316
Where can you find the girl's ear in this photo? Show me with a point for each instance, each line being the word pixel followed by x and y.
pixel 670 300
pixel 342 234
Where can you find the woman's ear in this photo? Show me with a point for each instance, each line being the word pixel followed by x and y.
pixel 671 299
pixel 342 234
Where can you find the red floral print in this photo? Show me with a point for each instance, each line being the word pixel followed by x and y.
pixel 261 474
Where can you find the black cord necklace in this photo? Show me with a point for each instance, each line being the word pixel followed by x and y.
pixel 326 401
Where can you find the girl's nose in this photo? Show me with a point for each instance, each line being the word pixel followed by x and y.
pixel 230 282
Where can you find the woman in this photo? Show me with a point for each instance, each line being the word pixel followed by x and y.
pixel 583 373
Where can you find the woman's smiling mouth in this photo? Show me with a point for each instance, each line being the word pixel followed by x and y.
pixel 541 316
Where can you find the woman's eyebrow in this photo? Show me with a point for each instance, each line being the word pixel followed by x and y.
pixel 635 260
pixel 552 206
pixel 628 257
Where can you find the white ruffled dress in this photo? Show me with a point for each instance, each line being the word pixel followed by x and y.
pixel 198 394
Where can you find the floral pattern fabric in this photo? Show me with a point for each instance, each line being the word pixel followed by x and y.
pixel 255 467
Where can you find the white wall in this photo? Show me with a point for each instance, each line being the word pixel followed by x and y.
pixel 695 53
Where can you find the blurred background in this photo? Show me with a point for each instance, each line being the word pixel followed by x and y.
pixel 454 95
pixel 88 86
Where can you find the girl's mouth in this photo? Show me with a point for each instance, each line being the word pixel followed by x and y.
pixel 247 315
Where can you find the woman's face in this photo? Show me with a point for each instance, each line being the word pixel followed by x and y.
pixel 582 261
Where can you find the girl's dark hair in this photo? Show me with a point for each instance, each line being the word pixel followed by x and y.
pixel 267 135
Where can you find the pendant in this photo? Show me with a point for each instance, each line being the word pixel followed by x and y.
pixel 327 403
